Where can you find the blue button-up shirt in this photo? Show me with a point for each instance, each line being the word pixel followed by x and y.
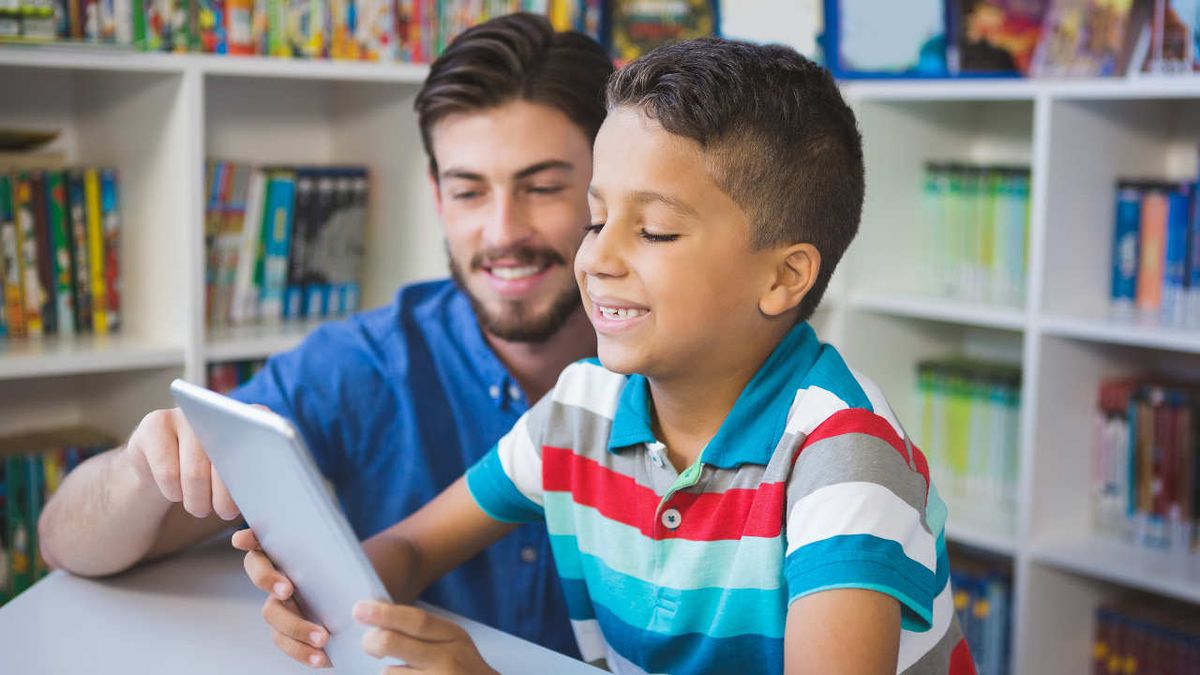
pixel 394 405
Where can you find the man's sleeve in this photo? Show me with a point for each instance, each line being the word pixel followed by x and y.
pixel 507 482
pixel 856 503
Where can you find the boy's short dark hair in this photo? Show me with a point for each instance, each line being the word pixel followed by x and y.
pixel 779 138
pixel 515 57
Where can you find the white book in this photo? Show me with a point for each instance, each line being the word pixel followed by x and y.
pixel 245 291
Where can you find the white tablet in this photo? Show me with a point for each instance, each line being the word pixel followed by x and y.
pixel 281 494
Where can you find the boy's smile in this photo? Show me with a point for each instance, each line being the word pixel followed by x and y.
pixel 667 272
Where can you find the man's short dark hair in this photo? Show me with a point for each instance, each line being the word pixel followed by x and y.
pixel 515 57
pixel 778 137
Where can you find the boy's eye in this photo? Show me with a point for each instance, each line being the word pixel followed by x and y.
pixel 657 238
pixel 593 228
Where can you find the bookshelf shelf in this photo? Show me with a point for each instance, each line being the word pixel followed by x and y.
pixel 1126 565
pixel 941 309
pixel 54 356
pixel 267 67
pixel 238 343
pixel 1127 333
pixel 992 532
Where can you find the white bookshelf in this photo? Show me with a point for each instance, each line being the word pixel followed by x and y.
pixel 157 117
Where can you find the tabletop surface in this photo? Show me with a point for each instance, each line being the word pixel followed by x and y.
pixel 193 613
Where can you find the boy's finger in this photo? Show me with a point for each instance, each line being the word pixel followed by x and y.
pixel 408 620
pixel 265 577
pixel 299 651
pixel 244 540
pixel 285 618
pixel 419 654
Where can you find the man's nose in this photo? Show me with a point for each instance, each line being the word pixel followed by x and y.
pixel 506 225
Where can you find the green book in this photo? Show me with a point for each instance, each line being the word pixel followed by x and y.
pixel 20 565
pixel 60 245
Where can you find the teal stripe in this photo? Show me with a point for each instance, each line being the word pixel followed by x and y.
pixel 496 494
pixel 751 562
pixel 715 612
pixel 864 561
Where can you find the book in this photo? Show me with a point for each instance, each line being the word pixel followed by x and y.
pixel 80 257
pixel 33 294
pixel 1151 249
pixel 1089 37
pixel 110 218
pixel 93 212
pixel 1175 255
pixel 1126 239
pixel 245 292
pixel 994 36
pixel 13 303
pixel 306 186
pixel 45 251
pixel 638 26
pixel 864 38
pixel 277 232
pixel 64 301
pixel 239 27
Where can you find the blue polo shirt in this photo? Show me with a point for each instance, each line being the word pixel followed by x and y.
pixel 395 404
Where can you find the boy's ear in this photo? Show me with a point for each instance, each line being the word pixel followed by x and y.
pixel 796 271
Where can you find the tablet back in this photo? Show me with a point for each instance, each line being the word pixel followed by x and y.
pixel 274 481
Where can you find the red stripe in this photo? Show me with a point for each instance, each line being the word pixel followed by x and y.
pixel 862 421
pixel 709 516
pixel 961 662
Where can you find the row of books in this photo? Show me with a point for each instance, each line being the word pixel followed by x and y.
pixel 283 242
pixel 983 603
pixel 1146 635
pixel 970 417
pixel 1145 474
pixel 1156 253
pixel 60 267
pixel 226 376
pixel 1039 38
pixel 31 469
pixel 976 230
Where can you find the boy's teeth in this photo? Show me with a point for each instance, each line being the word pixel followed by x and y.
pixel 621 314
pixel 510 273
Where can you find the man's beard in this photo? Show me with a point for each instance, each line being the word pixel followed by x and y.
pixel 515 321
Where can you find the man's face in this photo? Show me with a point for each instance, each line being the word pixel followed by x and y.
pixel 512 194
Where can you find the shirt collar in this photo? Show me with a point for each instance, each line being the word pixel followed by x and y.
pixel 758 418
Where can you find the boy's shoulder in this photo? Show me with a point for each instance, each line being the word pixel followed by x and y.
pixel 830 389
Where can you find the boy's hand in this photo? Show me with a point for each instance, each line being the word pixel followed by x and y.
pixel 298 638
pixel 426 642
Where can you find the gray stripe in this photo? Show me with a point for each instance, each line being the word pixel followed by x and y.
pixel 936 661
pixel 858 458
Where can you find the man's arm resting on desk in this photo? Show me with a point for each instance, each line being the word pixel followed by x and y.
pixel 154 496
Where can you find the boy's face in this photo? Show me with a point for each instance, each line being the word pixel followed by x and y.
pixel 511 191
pixel 670 281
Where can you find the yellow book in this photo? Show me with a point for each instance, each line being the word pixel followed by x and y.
pixel 95 236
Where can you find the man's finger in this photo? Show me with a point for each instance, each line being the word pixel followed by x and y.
pixel 244 540
pixel 155 439
pixel 195 473
pixel 265 577
pixel 285 618
pixel 300 651
pixel 410 621
pixel 222 501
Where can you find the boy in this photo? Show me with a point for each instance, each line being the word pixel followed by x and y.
pixel 722 492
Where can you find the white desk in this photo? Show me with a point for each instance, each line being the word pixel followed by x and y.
pixel 195 613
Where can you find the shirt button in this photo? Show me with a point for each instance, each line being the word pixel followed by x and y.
pixel 514 392
pixel 656 458
pixel 671 519
pixel 528 554
pixel 494 391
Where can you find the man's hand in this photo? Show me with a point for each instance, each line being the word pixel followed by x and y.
pixel 298 638
pixel 427 643
pixel 164 450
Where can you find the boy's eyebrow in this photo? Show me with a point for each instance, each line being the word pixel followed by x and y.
pixel 465 174
pixel 680 207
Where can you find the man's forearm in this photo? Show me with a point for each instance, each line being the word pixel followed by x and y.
pixel 103 518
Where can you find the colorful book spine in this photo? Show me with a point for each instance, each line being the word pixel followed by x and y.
pixel 33 294
pixel 45 251
pixel 80 256
pixel 110 218
pixel 1152 250
pixel 10 253
pixel 60 240
pixel 1175 255
pixel 306 187
pixel 239 27
pixel 277 233
pixel 245 292
pixel 317 284
pixel 1126 241
pixel 96 258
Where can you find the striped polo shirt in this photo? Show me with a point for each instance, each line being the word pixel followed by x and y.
pixel 810 484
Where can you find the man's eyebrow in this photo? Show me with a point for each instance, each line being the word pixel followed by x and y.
pixel 465 174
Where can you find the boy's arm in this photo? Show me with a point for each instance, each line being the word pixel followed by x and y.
pixel 853 631
pixel 408 557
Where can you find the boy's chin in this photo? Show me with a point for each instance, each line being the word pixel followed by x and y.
pixel 616 360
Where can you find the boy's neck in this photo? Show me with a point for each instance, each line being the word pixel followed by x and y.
pixel 537 365
pixel 689 410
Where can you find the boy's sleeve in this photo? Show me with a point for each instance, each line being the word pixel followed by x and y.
pixel 507 482
pixel 856 502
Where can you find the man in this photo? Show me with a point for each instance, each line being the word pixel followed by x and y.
pixel 396 403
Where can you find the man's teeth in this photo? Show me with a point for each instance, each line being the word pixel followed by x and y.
pixel 621 314
pixel 511 273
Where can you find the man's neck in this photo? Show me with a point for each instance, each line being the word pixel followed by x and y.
pixel 536 365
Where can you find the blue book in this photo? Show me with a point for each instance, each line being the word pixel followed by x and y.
pixel 277 229
pixel 1192 294
pixel 1179 211
pixel 1125 251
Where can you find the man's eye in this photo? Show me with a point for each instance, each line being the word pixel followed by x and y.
pixel 546 189
pixel 469 194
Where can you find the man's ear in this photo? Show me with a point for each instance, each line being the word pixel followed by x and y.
pixel 435 188
pixel 796 271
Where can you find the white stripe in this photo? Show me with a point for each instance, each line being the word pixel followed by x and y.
pixel 810 408
pixel 520 460
pixel 590 387
pixel 592 645
pixel 915 645
pixel 878 401
pixel 858 507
